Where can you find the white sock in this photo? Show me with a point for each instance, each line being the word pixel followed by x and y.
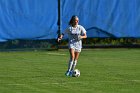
pixel 74 65
pixel 70 65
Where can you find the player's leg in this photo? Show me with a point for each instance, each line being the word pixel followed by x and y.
pixel 77 52
pixel 72 55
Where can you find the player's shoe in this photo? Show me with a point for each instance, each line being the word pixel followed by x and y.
pixel 71 73
pixel 67 73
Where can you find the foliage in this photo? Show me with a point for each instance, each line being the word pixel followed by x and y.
pixel 108 41
pixel 52 44
pixel 30 44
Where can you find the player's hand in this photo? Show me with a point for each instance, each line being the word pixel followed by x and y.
pixel 79 37
pixel 59 39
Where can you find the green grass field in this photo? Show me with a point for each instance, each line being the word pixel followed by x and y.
pixel 102 71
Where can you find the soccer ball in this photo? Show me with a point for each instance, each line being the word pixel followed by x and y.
pixel 76 73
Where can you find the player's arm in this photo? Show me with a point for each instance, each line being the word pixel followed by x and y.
pixel 84 36
pixel 60 37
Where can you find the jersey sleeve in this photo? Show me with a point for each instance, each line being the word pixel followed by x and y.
pixel 83 30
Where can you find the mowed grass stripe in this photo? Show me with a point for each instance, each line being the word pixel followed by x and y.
pixel 102 71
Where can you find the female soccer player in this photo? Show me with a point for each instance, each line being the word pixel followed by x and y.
pixel 75 34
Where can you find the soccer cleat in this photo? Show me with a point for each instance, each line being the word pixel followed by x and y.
pixel 67 73
pixel 71 73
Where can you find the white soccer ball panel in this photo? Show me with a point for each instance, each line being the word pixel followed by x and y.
pixel 76 73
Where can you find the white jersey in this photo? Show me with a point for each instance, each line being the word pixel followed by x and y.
pixel 73 34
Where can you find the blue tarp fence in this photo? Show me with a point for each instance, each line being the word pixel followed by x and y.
pixel 38 19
